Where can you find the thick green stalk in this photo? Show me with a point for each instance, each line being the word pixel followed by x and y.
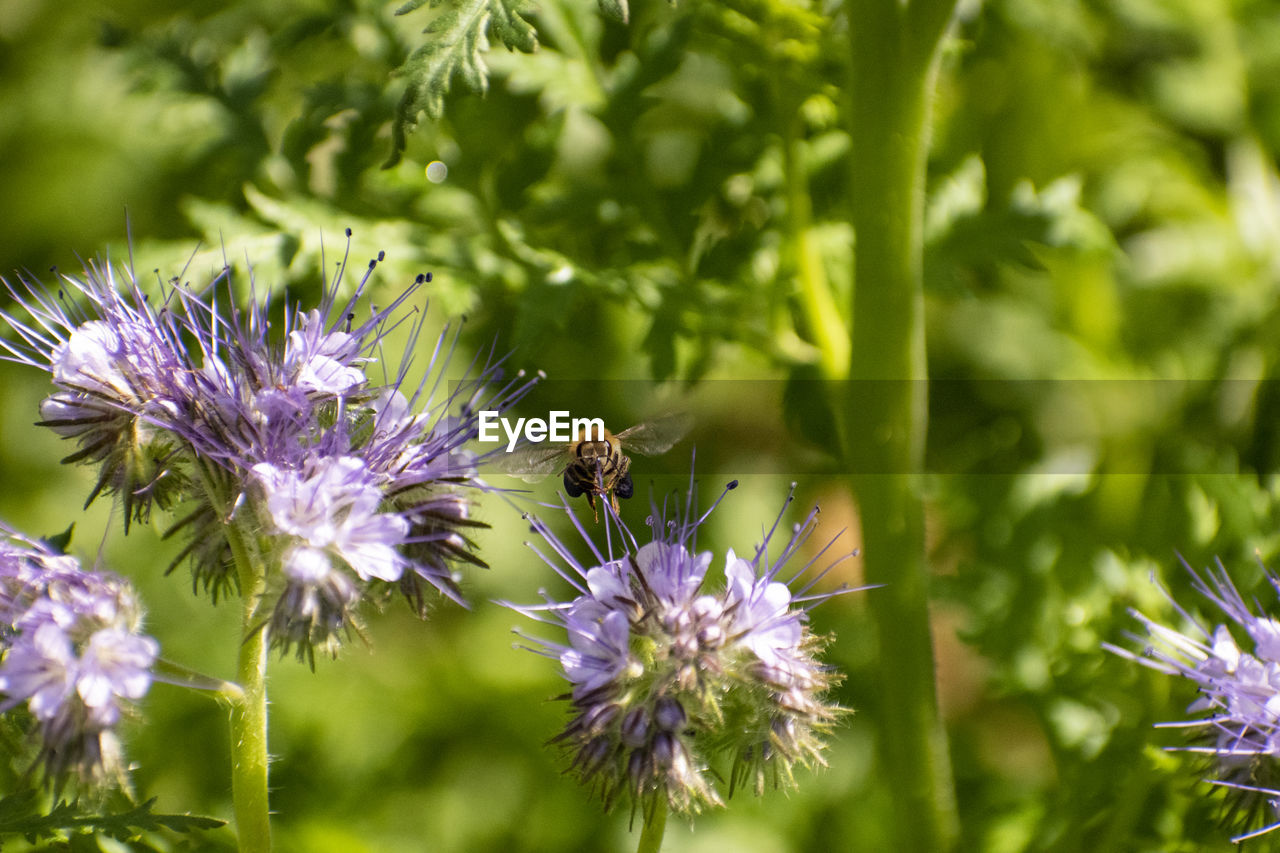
pixel 894 57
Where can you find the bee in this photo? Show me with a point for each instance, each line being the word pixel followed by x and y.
pixel 597 465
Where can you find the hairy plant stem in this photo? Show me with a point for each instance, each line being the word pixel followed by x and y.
pixel 894 49
pixel 654 828
pixel 249 758
pixel 249 738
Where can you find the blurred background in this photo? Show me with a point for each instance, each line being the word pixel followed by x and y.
pixel 626 210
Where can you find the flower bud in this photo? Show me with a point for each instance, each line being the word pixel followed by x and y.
pixel 669 714
pixel 635 727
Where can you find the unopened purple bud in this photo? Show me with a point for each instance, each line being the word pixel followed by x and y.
pixel 676 621
pixel 772 675
pixel 638 768
pixel 669 714
pixel 684 647
pixel 782 732
pixel 635 727
pixel 706 608
pixel 594 755
pixel 687 678
pixel 597 720
pixel 711 637
pixel 666 749
pixel 797 701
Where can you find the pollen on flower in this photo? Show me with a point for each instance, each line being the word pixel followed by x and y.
pixel 669 674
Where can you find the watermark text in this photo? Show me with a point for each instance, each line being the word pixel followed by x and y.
pixel 558 427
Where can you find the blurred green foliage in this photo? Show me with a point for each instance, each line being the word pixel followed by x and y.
pixel 630 202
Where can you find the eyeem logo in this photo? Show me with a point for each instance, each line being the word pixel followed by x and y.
pixel 559 427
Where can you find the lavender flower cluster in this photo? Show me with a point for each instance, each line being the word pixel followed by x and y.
pixel 290 461
pixel 670 675
pixel 73 653
pixel 1238 729
pixel 308 478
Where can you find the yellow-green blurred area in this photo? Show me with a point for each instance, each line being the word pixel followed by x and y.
pixel 630 209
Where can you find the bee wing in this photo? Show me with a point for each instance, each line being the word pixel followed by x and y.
pixel 656 436
pixel 532 462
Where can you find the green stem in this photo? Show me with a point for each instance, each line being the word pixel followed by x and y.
pixel 817 303
pixel 894 50
pixel 654 828
pixel 184 676
pixel 249 757
pixel 249 717
pixel 249 741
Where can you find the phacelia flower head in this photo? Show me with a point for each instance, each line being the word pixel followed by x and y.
pixel 72 651
pixel 120 373
pixel 283 439
pixel 677 684
pixel 1235 665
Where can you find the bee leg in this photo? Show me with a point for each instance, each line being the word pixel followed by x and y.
pixel 571 486
pixel 591 502
pixel 624 488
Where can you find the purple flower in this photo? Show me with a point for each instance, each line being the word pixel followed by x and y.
pixel 332 506
pixel 321 362
pixel 282 433
pixel 1235 665
pixel 73 653
pixel 119 376
pixel 669 674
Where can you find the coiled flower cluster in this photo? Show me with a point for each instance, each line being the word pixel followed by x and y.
pixel 1237 726
pixel 73 653
pixel 673 677
pixel 299 465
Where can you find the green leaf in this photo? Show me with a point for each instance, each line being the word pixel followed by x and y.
pixel 20 815
pixel 615 10
pixel 457 40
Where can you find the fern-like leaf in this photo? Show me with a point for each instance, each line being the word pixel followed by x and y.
pixel 457 38
pixel 615 10
pixel 20 815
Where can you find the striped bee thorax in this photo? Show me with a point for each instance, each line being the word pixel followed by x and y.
pixel 595 467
